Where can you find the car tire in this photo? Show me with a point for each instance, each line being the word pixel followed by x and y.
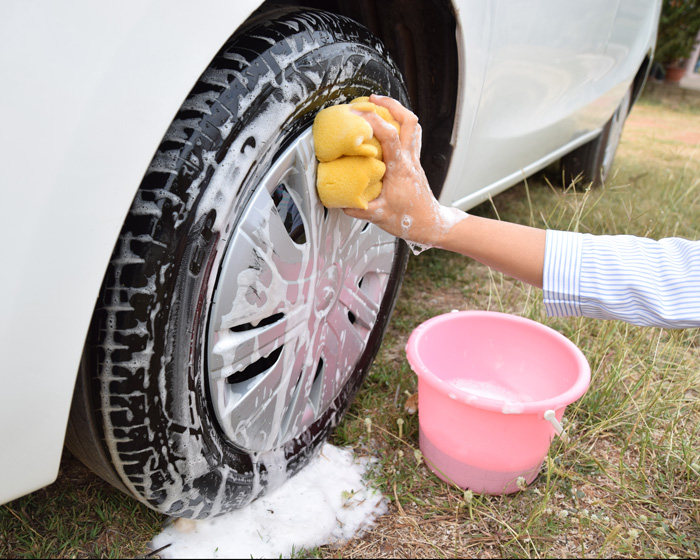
pixel 238 317
pixel 592 162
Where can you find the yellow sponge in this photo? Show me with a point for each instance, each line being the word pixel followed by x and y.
pixel 351 166
pixel 364 104
pixel 349 181
pixel 338 132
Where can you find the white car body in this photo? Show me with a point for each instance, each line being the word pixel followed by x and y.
pixel 89 88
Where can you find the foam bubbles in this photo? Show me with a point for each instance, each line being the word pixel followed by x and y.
pixel 417 248
pixel 513 400
pixel 327 502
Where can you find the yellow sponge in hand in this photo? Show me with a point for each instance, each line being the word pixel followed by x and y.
pixel 351 168
pixel 349 181
pixel 364 104
pixel 339 132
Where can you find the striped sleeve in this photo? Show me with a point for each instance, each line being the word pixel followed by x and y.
pixel 633 279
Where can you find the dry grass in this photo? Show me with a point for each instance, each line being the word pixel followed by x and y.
pixel 626 485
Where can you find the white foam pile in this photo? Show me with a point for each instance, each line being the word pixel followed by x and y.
pixel 327 502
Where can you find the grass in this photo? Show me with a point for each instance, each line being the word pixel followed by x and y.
pixel 624 485
pixel 79 516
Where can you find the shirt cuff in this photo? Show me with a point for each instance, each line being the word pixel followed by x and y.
pixel 561 275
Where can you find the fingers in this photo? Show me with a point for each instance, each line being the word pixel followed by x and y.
pixel 372 214
pixel 386 134
pixel 383 131
pixel 357 213
pixel 411 132
pixel 398 111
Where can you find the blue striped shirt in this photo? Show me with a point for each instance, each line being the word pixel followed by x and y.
pixel 633 279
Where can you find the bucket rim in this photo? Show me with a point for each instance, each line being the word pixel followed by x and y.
pixel 575 392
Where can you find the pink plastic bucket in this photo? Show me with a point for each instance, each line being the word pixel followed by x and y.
pixel 492 390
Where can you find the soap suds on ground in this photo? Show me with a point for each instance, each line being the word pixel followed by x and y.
pixel 327 502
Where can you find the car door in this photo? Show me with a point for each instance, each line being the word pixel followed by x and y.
pixel 545 57
pixel 635 21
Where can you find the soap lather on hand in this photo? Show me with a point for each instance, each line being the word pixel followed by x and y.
pixel 351 169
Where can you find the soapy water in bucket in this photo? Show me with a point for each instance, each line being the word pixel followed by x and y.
pixel 513 402
pixel 493 389
pixel 489 390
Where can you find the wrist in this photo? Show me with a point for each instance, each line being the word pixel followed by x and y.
pixel 447 219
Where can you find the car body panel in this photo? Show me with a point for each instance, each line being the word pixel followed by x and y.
pixel 102 102
pixel 90 89
pixel 538 95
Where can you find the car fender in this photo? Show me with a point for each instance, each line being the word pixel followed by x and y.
pixel 82 119
pixel 473 39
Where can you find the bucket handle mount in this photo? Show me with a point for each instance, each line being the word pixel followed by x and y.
pixel 552 419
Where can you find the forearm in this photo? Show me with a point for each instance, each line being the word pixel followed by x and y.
pixel 516 250
pixel 632 279
pixel 407 207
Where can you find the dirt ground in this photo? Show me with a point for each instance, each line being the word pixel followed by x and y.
pixel 676 127
pixel 405 531
pixel 408 531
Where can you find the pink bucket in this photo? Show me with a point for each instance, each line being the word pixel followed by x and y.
pixel 492 390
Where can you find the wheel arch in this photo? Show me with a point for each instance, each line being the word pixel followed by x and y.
pixel 133 361
pixel 421 38
pixel 640 78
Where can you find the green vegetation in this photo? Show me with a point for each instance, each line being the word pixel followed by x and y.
pixel 678 29
pixel 624 485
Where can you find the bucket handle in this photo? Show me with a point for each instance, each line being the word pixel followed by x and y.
pixel 552 419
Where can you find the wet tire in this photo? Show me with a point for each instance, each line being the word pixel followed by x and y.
pixel 592 162
pixel 238 317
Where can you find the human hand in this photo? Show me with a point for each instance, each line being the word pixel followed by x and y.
pixel 406 206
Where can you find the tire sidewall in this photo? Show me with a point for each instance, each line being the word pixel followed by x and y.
pixel 321 64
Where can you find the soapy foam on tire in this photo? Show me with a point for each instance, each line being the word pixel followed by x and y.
pixel 328 502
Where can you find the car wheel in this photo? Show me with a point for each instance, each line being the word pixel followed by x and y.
pixel 238 316
pixel 592 162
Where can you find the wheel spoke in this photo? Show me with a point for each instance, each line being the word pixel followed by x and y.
pixel 262 270
pixel 356 301
pixel 325 387
pixel 263 410
pixel 341 234
pixel 298 294
pixel 253 411
pixel 298 411
pixel 351 342
pixel 234 351
pixel 378 256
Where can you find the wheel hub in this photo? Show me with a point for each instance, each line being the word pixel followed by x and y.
pixel 327 289
pixel 297 295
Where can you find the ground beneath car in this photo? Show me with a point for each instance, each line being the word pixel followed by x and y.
pixel 645 121
pixel 418 528
pixel 82 516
